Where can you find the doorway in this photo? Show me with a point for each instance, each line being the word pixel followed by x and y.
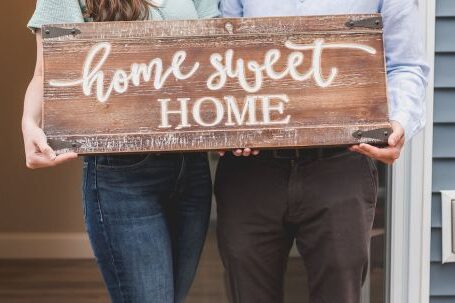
pixel 210 285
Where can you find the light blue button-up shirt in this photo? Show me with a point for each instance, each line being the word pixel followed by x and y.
pixel 406 67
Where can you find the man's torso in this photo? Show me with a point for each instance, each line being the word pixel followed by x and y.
pixel 255 8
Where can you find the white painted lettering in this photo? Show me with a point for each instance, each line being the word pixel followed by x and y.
pixel 268 108
pixel 236 69
pixel 249 108
pixel 121 79
pixel 183 112
pixel 219 111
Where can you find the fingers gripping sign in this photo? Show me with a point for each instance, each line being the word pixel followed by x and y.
pixel 389 154
pixel 38 153
pixel 246 152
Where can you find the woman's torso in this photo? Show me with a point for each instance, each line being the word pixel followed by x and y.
pixel 167 9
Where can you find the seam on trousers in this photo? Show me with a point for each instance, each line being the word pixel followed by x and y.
pixel 291 189
pixel 180 176
pixel 371 177
pixel 106 238
pixel 86 171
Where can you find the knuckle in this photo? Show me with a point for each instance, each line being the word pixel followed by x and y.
pixel 30 164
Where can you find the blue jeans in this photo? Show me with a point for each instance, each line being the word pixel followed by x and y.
pixel 147 217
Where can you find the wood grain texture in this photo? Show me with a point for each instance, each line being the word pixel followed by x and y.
pixel 131 120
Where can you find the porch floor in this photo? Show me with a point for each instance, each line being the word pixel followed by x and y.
pixel 76 281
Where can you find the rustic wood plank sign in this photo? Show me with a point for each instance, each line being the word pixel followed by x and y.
pixel 215 84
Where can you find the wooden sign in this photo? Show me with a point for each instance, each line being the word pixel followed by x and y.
pixel 215 84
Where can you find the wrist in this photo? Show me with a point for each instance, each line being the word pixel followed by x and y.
pixel 28 122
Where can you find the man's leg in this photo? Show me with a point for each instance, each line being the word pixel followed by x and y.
pixel 335 216
pixel 253 241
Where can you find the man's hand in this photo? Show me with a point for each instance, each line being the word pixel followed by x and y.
pixel 246 152
pixel 387 154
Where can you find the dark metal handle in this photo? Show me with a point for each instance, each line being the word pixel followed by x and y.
pixel 55 32
pixel 380 134
pixel 61 144
pixel 373 23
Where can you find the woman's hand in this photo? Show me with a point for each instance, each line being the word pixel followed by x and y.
pixel 246 152
pixel 389 154
pixel 38 153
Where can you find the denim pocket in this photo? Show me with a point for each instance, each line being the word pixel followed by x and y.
pixel 125 161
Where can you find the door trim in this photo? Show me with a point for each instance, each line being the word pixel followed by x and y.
pixel 410 207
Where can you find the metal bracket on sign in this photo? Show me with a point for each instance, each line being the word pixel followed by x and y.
pixel 373 23
pixel 55 32
pixel 61 144
pixel 380 134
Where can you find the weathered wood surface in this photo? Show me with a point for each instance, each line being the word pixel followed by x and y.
pixel 309 105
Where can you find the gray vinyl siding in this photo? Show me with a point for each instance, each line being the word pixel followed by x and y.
pixel 442 276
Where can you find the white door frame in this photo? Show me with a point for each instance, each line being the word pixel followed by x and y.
pixel 411 197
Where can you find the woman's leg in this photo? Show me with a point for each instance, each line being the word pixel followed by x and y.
pixel 189 217
pixel 124 199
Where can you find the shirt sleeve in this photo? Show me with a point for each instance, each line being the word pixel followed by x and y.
pixel 55 12
pixel 407 71
pixel 231 8
pixel 207 8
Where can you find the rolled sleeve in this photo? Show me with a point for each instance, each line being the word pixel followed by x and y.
pixel 407 71
pixel 55 12
pixel 231 8
pixel 207 8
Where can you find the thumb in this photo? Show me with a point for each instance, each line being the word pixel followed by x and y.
pixel 45 148
pixel 396 135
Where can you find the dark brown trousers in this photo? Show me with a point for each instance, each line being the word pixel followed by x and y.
pixel 325 201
